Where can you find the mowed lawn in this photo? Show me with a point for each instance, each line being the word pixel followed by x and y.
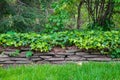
pixel 71 71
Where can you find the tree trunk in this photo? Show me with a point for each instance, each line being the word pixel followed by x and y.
pixel 79 14
pixel 100 12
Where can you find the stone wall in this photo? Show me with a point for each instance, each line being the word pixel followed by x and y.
pixel 50 57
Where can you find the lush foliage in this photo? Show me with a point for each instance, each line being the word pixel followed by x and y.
pixel 106 42
pixel 93 14
pixel 57 15
pixel 23 15
pixel 86 71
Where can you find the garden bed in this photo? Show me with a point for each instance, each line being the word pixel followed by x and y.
pixel 59 47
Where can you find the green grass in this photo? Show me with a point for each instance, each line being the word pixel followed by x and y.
pixel 88 71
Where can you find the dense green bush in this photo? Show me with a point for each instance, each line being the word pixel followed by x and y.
pixel 106 42
pixel 23 15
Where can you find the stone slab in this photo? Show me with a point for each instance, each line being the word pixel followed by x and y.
pixel 45 57
pixel 18 59
pixel 35 56
pixel 36 59
pixel 99 59
pixel 7 52
pixel 82 53
pixel 10 50
pixel 72 51
pixel 23 62
pixel 4 59
pixel 94 56
pixel 63 53
pixel 60 56
pixel 55 59
pixel 75 58
pixel 44 54
pixel 3 56
pixel 7 62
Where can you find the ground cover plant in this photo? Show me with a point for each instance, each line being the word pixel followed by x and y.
pixel 105 42
pixel 86 71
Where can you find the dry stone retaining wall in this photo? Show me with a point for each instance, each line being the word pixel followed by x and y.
pixel 50 57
